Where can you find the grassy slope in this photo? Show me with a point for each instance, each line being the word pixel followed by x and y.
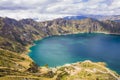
pixel 86 70
pixel 12 63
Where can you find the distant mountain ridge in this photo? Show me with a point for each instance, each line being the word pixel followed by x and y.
pixel 75 17
pixel 98 17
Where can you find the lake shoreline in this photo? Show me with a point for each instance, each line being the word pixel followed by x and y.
pixel 29 46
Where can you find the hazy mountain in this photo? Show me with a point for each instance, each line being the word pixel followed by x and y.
pixel 75 17
pixel 98 17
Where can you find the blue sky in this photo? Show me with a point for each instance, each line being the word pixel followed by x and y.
pixel 50 9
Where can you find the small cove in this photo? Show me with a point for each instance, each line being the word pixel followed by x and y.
pixel 60 50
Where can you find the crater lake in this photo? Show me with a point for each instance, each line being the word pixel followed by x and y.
pixel 65 49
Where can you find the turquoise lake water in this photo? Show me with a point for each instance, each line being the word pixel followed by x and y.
pixel 60 50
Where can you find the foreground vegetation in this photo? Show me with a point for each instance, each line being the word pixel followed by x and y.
pixel 19 67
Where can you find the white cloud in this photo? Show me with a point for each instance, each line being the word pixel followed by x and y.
pixel 49 9
pixel 28 14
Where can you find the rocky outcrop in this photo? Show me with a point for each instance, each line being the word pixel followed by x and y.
pixel 86 70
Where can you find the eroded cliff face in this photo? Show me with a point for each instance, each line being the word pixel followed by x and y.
pixel 88 25
pixel 17 34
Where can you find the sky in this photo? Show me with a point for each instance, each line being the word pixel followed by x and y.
pixel 50 9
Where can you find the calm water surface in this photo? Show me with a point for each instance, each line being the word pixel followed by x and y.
pixel 60 50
